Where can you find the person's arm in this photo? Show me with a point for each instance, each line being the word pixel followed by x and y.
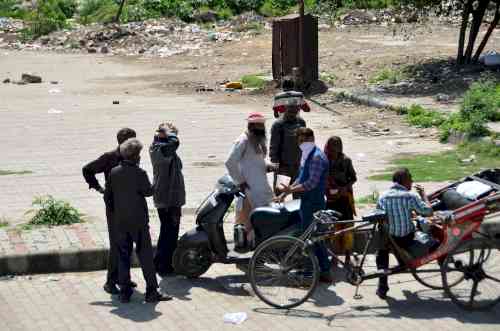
pixel 108 195
pixel 233 162
pixel 316 169
pixel 90 170
pixel 275 144
pixel 145 187
pixel 421 205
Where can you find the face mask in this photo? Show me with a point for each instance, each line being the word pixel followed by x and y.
pixel 306 148
pixel 258 132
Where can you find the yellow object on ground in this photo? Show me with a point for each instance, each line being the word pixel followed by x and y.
pixel 235 85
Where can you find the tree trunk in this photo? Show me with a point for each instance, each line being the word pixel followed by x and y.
pixel 119 13
pixel 463 30
pixel 478 15
pixel 486 37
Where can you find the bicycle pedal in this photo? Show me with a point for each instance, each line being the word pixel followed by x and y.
pixel 357 297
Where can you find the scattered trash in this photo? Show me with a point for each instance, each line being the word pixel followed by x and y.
pixel 234 85
pixel 54 111
pixel 104 50
pixel 52 279
pixel 204 89
pixel 7 278
pixel 211 156
pixel 116 102
pixel 235 318
pixel 490 59
pixel 31 79
pixel 6 80
pixel 55 91
pixel 470 159
pixel 441 97
pixel 54 82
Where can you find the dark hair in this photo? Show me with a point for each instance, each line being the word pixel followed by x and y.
pixel 401 175
pixel 287 85
pixel 124 134
pixel 305 133
pixel 336 142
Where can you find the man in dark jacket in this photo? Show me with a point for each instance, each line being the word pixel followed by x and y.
pixel 169 193
pixel 284 149
pixel 104 164
pixel 126 191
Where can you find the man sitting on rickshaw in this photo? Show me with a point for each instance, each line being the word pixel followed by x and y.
pixel 400 203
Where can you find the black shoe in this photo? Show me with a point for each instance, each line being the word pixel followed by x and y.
pixel 132 284
pixel 156 297
pixel 111 288
pixel 125 297
pixel 382 293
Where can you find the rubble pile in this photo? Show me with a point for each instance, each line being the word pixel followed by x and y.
pixel 158 37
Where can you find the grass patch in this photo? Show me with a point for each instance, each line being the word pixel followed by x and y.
pixel 416 115
pixel 253 81
pixel 389 75
pixel 10 172
pixel 370 199
pixel 52 212
pixel 4 222
pixel 446 166
pixel 329 78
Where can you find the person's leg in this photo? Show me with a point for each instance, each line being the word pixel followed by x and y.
pixel 382 261
pixel 125 244
pixel 144 251
pixel 162 245
pixel 172 233
pixel 113 256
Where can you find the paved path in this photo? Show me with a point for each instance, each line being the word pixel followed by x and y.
pixel 77 302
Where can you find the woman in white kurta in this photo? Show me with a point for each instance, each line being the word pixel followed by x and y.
pixel 247 166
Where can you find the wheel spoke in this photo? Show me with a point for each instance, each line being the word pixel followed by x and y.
pixel 493 278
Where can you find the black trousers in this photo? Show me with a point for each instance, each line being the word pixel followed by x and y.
pixel 113 256
pixel 144 251
pixel 383 257
pixel 167 242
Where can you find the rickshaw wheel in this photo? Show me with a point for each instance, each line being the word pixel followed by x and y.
pixel 283 272
pixel 430 274
pixel 480 287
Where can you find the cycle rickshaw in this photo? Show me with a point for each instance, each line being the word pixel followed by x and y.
pixel 284 270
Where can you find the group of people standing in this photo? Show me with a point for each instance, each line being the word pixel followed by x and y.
pixel 127 214
pixel 315 174
pixel 321 178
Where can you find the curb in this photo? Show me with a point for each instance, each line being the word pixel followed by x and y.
pixel 365 100
pixel 88 260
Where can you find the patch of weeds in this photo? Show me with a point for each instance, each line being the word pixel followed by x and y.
pixel 328 77
pixel 253 81
pixel 250 26
pixel 10 172
pixel 389 75
pixel 52 212
pixel 92 11
pixel 446 166
pixel 4 222
pixel 421 117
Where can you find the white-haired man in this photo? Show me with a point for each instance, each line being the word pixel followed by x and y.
pixel 125 194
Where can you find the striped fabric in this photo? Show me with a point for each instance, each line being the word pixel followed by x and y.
pixel 399 203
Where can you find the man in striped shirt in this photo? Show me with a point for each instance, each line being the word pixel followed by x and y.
pixel 400 203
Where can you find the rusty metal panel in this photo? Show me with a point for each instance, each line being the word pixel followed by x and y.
pixel 287 48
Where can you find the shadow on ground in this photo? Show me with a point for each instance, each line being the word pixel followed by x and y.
pixel 137 310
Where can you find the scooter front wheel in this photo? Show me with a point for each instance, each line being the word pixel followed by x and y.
pixel 284 272
pixel 191 262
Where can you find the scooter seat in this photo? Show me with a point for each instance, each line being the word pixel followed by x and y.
pixel 269 221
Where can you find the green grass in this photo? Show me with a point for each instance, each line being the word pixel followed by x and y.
pixel 389 75
pixel 369 199
pixel 10 172
pixel 52 212
pixel 329 78
pixel 3 222
pixel 253 81
pixel 416 115
pixel 446 166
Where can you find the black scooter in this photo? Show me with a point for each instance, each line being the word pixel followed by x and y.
pixel 206 244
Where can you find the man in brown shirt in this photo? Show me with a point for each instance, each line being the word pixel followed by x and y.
pixel 104 164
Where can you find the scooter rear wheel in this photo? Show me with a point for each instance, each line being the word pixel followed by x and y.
pixel 191 262
pixel 283 272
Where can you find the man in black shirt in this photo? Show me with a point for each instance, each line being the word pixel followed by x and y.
pixel 104 164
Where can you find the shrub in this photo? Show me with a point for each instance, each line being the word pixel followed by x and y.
pixel 389 75
pixel 272 8
pixel 68 7
pixel 482 98
pixel 92 11
pixel 46 18
pixel 253 81
pixel 419 116
pixel 50 211
pixel 11 8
